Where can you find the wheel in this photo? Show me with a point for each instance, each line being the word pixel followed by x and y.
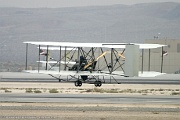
pixel 98 83
pixel 78 83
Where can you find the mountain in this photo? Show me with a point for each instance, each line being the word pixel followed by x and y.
pixel 116 23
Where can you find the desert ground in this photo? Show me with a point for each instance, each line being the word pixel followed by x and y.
pixel 69 88
pixel 84 111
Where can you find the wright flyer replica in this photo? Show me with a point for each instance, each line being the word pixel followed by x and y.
pixel 90 62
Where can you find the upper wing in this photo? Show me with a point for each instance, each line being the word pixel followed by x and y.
pixel 123 45
pixel 106 45
pixel 67 44
pixel 57 48
pixel 54 62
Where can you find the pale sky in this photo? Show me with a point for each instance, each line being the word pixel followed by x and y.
pixel 71 3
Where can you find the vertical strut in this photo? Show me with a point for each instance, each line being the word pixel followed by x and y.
pixel 112 50
pixel 162 61
pixel 26 56
pixel 47 57
pixel 149 59
pixel 39 58
pixel 93 58
pixel 78 58
pixel 59 58
pixel 65 58
pixel 142 61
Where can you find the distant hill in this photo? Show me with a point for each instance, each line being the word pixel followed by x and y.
pixel 116 23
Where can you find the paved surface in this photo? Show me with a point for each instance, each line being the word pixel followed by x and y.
pixel 58 111
pixel 91 106
pixel 89 98
pixel 27 77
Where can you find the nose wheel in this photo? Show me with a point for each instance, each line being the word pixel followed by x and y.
pixel 98 83
pixel 78 83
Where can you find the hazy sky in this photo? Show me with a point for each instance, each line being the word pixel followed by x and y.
pixel 70 3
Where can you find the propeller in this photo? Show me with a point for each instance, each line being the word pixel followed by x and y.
pixel 90 63
pixel 120 54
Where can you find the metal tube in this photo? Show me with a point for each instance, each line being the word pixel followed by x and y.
pixel 47 57
pixel 149 60
pixel 39 59
pixel 162 61
pixel 142 61
pixel 65 58
pixel 112 50
pixel 26 64
pixel 78 58
pixel 60 59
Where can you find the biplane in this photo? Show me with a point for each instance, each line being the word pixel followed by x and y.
pixel 91 61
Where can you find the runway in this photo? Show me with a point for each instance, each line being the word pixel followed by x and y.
pixel 135 98
pixel 90 98
pixel 171 79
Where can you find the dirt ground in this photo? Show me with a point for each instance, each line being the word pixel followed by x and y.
pixel 136 89
pixel 90 115
pixel 59 111
pixel 65 111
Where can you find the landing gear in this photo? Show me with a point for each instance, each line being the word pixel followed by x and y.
pixel 78 83
pixel 98 83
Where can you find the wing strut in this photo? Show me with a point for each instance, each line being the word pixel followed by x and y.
pixel 60 58
pixel 39 58
pixel 26 56
pixel 149 59
pixel 47 57
pixel 65 58
pixel 142 61
pixel 112 67
pixel 162 61
pixel 78 58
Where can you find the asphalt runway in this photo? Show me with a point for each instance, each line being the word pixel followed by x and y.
pixel 171 79
pixel 107 81
pixel 90 98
